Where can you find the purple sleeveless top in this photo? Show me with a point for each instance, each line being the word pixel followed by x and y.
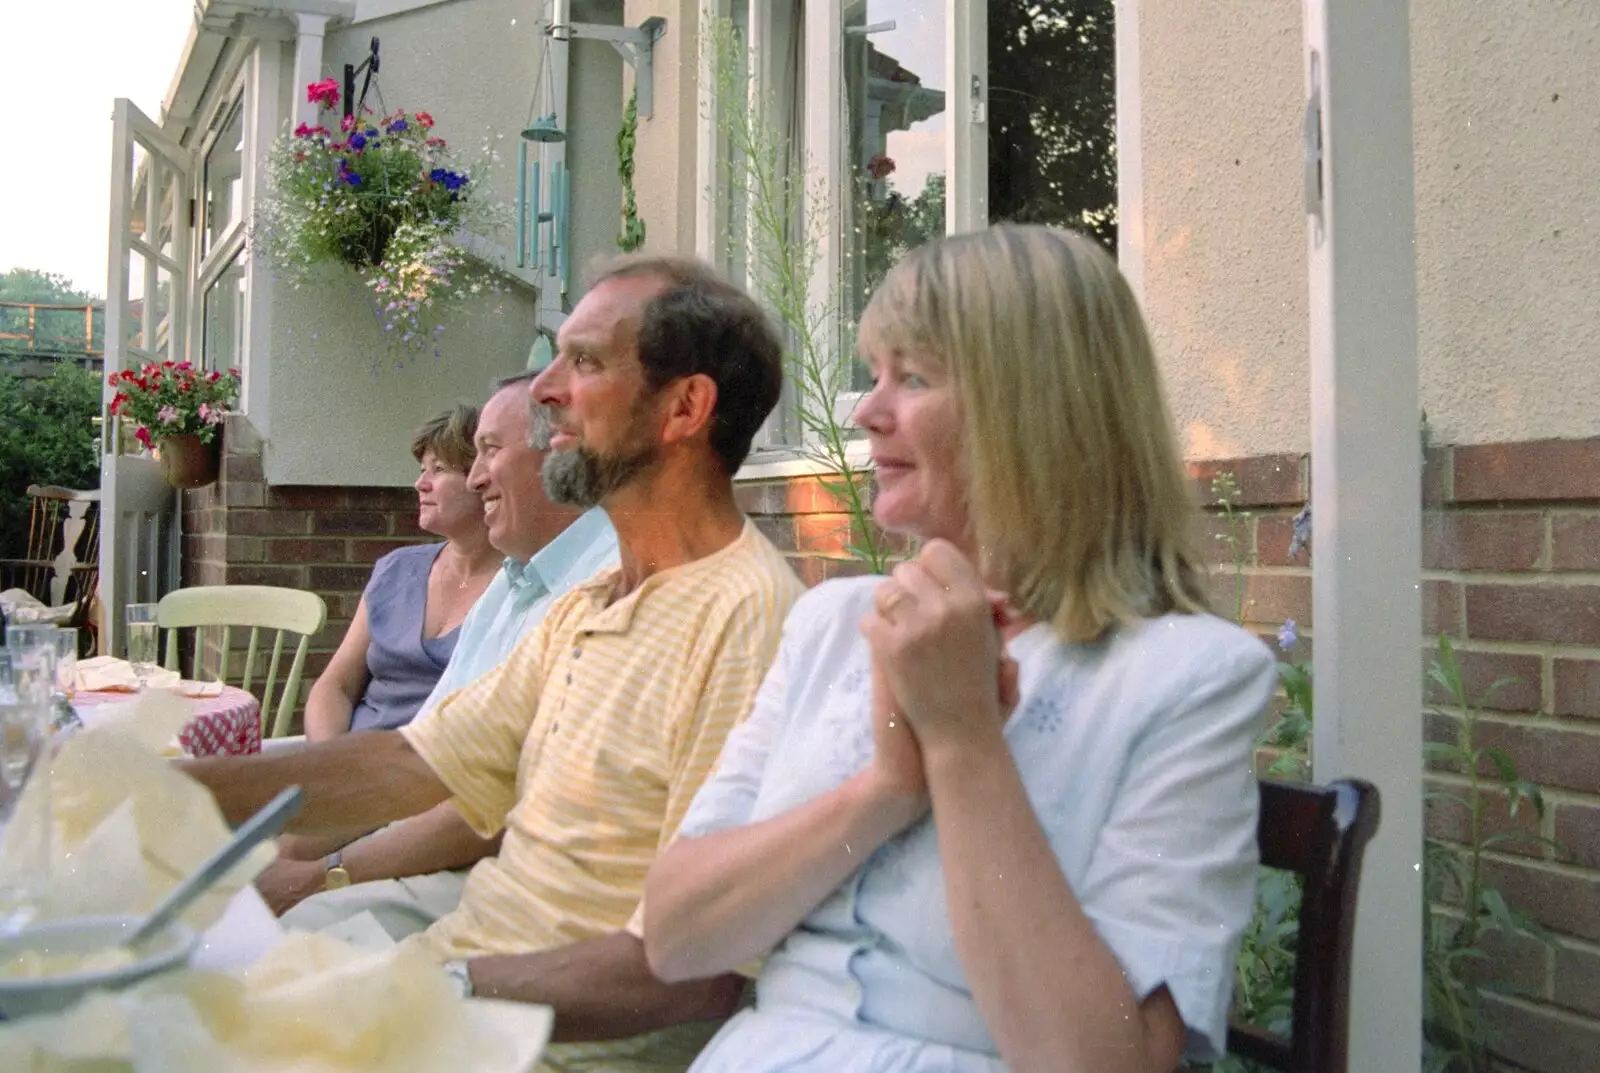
pixel 403 666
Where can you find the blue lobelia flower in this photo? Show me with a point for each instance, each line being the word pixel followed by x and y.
pixel 1288 635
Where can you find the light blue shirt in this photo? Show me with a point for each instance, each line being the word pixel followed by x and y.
pixel 518 597
pixel 1135 753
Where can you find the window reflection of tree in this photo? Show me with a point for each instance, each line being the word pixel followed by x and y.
pixel 1052 114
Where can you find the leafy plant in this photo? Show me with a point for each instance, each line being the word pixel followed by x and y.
pixel 1460 908
pixel 47 436
pixel 384 197
pixel 1224 490
pixel 781 234
pixel 631 236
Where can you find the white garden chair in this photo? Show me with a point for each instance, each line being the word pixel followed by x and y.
pixel 259 607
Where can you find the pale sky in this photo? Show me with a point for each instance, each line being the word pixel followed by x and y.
pixel 65 63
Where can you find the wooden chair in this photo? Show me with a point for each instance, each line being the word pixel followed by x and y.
pixel 1320 833
pixel 62 563
pixel 260 607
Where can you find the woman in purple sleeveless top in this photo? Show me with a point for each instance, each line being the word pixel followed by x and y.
pixel 405 627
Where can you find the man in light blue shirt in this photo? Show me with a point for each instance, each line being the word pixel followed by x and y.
pixel 516 600
pixel 410 873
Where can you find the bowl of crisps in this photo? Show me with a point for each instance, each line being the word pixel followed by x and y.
pixel 50 966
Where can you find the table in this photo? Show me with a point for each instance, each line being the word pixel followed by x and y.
pixel 228 724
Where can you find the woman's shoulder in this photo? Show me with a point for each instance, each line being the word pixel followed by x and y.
pixel 402 567
pixel 830 603
pixel 1174 653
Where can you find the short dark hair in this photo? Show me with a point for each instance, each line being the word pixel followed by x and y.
pixel 704 324
pixel 449 436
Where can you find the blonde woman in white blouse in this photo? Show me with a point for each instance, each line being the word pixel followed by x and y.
pixel 995 812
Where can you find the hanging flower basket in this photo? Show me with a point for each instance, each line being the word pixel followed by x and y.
pixel 178 412
pixel 385 197
pixel 187 461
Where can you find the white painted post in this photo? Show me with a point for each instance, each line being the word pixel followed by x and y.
pixel 966 105
pixel 309 31
pixel 262 125
pixel 1366 490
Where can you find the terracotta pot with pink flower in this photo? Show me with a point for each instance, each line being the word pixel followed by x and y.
pixel 177 411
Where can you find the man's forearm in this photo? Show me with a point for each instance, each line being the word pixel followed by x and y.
pixel 435 841
pixel 351 784
pixel 603 989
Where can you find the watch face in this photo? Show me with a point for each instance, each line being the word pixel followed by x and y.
pixel 337 879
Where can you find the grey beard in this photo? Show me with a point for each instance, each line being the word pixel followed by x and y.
pixel 539 430
pixel 581 478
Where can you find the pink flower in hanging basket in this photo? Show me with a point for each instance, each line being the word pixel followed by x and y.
pixel 169 415
pixel 325 93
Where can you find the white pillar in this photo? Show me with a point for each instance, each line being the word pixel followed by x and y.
pixel 309 31
pixel 1366 490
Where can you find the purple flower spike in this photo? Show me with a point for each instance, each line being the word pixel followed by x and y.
pixel 1288 635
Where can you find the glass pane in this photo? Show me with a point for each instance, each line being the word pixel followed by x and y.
pixel 137 179
pixel 894 127
pixel 224 184
pixel 224 311
pixel 1052 114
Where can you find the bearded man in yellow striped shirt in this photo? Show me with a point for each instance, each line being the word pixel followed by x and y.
pixel 587 744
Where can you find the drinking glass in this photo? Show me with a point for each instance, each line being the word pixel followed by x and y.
pixel 64 718
pixel 27 682
pixel 144 641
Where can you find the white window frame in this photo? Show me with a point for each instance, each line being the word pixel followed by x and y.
pixel 777 453
pixel 249 79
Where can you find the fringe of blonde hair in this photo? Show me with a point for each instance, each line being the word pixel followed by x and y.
pixel 1079 502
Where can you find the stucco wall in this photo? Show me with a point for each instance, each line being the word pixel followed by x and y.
pixel 342 413
pixel 1507 218
pixel 1225 259
pixel 666 142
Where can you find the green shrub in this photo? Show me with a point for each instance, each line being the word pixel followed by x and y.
pixel 47 436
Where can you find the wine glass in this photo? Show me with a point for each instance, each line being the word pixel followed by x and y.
pixel 144 641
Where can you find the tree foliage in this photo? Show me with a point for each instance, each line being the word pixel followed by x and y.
pixel 47 436
pixel 62 329
pixel 1052 114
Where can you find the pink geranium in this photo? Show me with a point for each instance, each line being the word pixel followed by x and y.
pixel 325 93
pixel 169 415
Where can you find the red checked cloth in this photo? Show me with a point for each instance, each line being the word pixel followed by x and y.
pixel 228 724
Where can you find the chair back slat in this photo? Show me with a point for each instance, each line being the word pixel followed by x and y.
pixel 258 608
pixel 1320 833
pixel 250 658
pixel 269 690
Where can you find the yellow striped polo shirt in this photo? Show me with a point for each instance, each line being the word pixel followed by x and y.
pixel 587 745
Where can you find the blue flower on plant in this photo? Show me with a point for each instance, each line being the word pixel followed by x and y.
pixel 451 181
pixel 1301 538
pixel 1288 635
pixel 396 127
pixel 345 175
pixel 358 141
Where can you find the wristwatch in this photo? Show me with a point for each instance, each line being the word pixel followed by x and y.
pixel 336 877
pixel 458 973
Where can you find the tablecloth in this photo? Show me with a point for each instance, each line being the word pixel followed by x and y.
pixel 228 724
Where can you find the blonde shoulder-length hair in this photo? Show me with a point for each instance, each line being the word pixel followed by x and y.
pixel 1077 497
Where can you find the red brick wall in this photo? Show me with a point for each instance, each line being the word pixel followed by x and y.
pixel 1511 572
pixel 242 531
